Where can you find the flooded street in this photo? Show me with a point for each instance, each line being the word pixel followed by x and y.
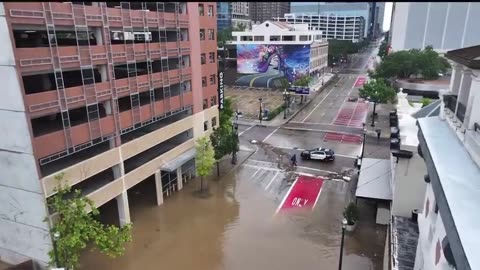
pixel 236 228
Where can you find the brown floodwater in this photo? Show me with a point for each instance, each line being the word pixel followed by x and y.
pixel 236 229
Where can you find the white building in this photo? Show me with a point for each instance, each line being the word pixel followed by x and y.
pixel 446 26
pixel 279 33
pixel 447 232
pixel 332 26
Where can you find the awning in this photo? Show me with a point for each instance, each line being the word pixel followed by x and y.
pixel 374 179
pixel 173 164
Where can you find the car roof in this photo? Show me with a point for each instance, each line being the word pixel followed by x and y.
pixel 322 149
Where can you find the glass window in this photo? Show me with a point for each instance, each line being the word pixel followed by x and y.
pixel 205 125
pixel 211 34
pixel 210 10
pixel 203 59
pixel 202 34
pixel 204 81
pixel 213 79
pixel 259 38
pixel 211 57
pixel 205 103
pixel 201 11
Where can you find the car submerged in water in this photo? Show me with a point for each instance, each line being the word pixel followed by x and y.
pixel 322 154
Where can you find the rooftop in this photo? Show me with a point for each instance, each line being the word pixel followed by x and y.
pixel 404 243
pixel 457 182
pixel 406 122
pixel 469 56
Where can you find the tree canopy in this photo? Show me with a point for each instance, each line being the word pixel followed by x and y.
pixel 303 81
pixel 377 91
pixel 338 49
pixel 204 159
pixel 77 228
pixel 382 50
pixel 412 63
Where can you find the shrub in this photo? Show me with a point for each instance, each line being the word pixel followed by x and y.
pixel 351 213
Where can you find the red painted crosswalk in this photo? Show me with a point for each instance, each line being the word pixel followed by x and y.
pixel 304 193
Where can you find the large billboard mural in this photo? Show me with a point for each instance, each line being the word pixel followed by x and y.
pixel 264 63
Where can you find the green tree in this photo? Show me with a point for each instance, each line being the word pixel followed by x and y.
pixel 77 227
pixel 382 50
pixel 219 138
pixel 204 160
pixel 224 36
pixel 377 91
pixel 412 63
pixel 303 82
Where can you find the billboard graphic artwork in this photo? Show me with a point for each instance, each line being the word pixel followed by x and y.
pixel 290 61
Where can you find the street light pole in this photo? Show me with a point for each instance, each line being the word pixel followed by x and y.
pixel 56 236
pixel 285 106
pixel 260 116
pixel 344 226
pixel 364 137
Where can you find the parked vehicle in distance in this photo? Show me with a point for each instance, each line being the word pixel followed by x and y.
pixel 322 154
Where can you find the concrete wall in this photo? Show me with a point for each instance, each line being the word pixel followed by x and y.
pixel 410 186
pixel 431 234
pixel 23 233
pixel 445 26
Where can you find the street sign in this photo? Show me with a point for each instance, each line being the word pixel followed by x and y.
pixel 299 90
pixel 220 91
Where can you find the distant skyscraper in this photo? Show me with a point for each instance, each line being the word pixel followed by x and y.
pixel 262 11
pixel 233 14
pixel 446 26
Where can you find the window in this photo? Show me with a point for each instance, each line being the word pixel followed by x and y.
pixel 205 103
pixel 214 121
pixel 202 34
pixel 246 38
pixel 211 34
pixel 211 57
pixel 212 79
pixel 274 38
pixel 203 59
pixel 213 101
pixel 201 11
pixel 205 125
pixel 258 38
pixel 210 10
pixel 303 38
pixel 288 38
pixel 204 81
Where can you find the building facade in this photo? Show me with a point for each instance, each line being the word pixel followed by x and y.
pixel 345 9
pixel 107 94
pixel 234 15
pixel 284 35
pixel 263 11
pixel 333 27
pixel 446 26
pixel 444 237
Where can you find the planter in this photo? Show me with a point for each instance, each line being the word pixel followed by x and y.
pixel 351 228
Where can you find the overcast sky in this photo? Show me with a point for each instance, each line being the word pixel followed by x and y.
pixel 388 16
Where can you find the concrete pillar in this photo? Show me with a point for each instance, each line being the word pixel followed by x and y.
pixel 118 170
pixel 123 209
pixel 97 32
pixel 456 78
pixel 103 72
pixel 472 114
pixel 464 88
pixel 158 187
pixel 179 178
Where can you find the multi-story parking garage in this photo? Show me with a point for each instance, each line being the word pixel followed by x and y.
pixel 107 93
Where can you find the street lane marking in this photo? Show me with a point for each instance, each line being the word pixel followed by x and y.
pixel 324 130
pixel 266 138
pixel 271 181
pixel 240 134
pixel 308 115
pixel 301 149
pixel 261 76
pixel 286 195
pixel 276 169
pixel 255 173
pixel 316 200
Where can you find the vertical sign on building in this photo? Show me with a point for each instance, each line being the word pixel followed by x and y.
pixel 220 91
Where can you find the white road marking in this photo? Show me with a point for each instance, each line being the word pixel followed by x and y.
pixel 240 134
pixel 269 135
pixel 301 149
pixel 276 169
pixel 308 115
pixel 286 195
pixel 271 181
pixel 318 197
pixel 256 172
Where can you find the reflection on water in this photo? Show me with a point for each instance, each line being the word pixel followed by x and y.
pixel 233 229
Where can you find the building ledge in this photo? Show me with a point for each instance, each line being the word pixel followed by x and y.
pixel 404 243
pixel 456 184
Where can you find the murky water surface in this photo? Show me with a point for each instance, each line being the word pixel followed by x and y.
pixel 236 228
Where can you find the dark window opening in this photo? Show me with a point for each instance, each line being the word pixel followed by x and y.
pixel 51 123
pixel 137 133
pixel 39 38
pixel 205 103
pixel 74 158
pixel 159 149
pixel 46 82
pixel 205 126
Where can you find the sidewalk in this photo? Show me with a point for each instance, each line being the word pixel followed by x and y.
pixel 295 107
